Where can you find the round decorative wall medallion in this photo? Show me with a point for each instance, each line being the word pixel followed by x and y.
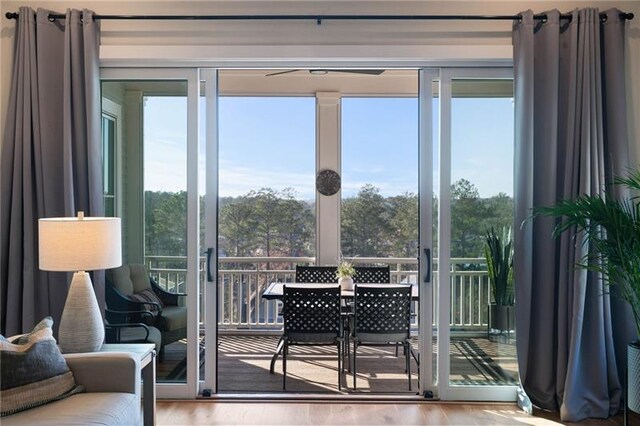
pixel 328 182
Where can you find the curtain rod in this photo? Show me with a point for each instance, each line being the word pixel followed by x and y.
pixel 317 18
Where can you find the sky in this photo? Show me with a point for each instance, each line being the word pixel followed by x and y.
pixel 270 142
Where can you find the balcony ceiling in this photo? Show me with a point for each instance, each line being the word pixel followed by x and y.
pixel 392 82
pixel 395 82
pixel 257 82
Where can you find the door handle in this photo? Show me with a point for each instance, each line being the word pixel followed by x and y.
pixel 427 277
pixel 209 253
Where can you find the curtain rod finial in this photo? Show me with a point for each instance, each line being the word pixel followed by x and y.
pixel 11 15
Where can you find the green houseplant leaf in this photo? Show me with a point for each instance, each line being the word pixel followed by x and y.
pixel 345 270
pixel 612 229
pixel 498 251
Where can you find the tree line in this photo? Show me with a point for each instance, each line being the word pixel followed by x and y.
pixel 268 222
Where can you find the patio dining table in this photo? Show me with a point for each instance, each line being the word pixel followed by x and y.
pixel 275 291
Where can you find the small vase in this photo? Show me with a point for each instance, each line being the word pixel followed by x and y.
pixel 346 283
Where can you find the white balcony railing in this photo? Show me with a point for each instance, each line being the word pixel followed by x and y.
pixel 242 280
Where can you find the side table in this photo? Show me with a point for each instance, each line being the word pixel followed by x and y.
pixel 147 355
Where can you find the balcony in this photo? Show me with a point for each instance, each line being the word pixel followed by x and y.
pixel 249 325
pixel 241 281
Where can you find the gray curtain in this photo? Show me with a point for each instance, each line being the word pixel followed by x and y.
pixel 571 138
pixel 51 161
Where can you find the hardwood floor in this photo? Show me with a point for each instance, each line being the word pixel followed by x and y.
pixel 349 413
pixel 243 363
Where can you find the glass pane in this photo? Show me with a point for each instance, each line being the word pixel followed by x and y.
pixel 482 345
pixel 109 206
pixel 153 202
pixel 108 163
pixel 434 226
pixel 379 210
pixel 266 225
pixel 108 157
pixel 202 205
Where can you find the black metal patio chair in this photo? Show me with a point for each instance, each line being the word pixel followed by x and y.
pixel 316 274
pixel 372 275
pixel 311 318
pixel 382 317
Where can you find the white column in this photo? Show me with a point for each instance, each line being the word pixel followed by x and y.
pixel 328 157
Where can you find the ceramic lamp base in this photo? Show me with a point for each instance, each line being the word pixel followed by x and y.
pixel 81 326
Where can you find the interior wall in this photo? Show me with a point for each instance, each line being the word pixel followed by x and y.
pixel 304 42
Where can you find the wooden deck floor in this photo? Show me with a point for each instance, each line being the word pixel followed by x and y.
pixel 243 365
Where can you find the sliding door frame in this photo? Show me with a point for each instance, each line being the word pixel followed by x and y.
pixel 445 390
pixel 426 77
pixel 190 75
pixel 209 77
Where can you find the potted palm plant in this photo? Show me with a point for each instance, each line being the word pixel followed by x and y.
pixel 498 251
pixel 612 227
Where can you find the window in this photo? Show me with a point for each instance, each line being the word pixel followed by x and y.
pixel 108 164
pixel 379 213
pixel 267 166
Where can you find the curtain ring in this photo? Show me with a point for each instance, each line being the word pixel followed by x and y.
pixel 50 18
pixel 604 18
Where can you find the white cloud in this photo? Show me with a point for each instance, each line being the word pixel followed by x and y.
pixel 236 181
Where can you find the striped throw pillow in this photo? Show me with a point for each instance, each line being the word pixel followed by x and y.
pixel 147 295
pixel 33 372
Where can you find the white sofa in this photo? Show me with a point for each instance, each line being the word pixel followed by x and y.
pixel 112 396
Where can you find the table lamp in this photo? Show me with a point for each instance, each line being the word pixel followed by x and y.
pixel 80 244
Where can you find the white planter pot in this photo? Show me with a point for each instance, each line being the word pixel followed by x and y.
pixel 346 283
pixel 633 375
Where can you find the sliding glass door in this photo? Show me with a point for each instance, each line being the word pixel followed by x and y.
pixel 217 192
pixel 150 146
pixel 476 326
pixel 263 217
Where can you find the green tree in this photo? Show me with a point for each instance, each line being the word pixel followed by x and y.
pixel 268 214
pixel 499 210
pixel 276 223
pixel 237 222
pixel 404 224
pixel 467 215
pixel 166 224
pixel 297 225
pixel 365 224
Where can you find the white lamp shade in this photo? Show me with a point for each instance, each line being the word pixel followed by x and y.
pixel 79 244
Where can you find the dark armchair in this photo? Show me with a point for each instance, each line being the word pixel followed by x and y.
pixel 130 290
pixel 130 327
